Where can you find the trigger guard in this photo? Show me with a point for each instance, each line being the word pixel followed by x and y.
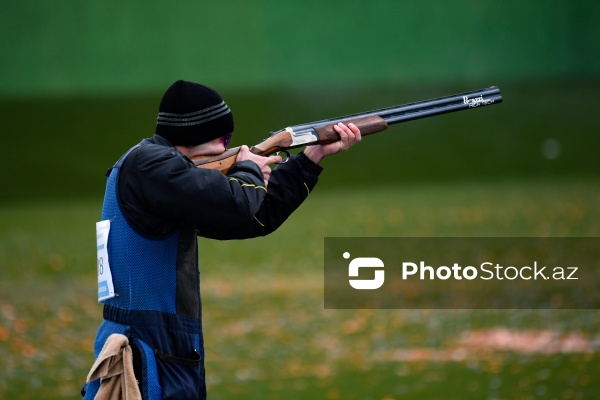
pixel 287 156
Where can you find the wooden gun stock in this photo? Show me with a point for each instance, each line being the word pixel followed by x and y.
pixel 222 162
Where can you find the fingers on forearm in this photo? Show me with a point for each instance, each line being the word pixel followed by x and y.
pixel 355 130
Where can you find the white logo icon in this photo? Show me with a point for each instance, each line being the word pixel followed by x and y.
pixel 365 262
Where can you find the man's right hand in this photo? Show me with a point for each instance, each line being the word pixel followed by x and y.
pixel 262 162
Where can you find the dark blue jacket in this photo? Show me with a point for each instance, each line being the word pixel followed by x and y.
pixel 158 203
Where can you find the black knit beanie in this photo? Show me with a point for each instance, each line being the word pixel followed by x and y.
pixel 191 114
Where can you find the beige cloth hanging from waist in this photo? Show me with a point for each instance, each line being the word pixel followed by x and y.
pixel 114 367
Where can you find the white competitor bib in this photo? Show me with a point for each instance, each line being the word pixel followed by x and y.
pixel 106 290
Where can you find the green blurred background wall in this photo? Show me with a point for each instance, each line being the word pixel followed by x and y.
pixel 81 81
pixel 80 47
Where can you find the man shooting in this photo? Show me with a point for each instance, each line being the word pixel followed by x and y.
pixel 158 202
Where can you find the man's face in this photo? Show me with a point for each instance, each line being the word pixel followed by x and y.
pixel 212 148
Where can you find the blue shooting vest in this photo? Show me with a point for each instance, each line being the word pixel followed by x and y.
pixel 157 304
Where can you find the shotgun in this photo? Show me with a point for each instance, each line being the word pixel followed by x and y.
pixel 322 132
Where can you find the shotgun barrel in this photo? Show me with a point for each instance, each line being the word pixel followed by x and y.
pixel 416 110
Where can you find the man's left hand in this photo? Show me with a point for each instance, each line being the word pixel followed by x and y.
pixel 349 136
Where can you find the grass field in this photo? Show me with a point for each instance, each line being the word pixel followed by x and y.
pixel 267 333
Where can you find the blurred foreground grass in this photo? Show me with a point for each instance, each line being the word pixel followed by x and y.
pixel 267 334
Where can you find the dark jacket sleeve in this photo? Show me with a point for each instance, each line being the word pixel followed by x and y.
pixel 160 188
pixel 289 185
